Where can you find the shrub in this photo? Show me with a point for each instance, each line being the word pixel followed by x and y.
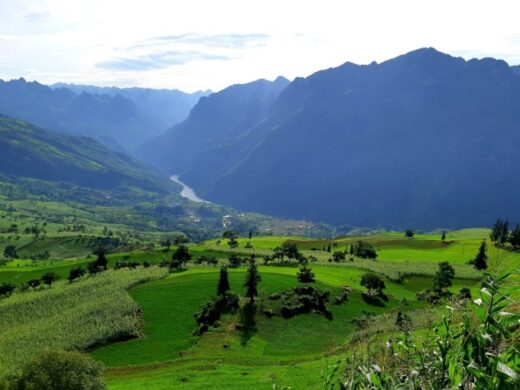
pixel 61 370
pixel 480 352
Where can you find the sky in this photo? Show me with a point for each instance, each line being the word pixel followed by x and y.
pixel 210 44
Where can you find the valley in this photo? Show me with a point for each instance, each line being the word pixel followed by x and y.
pixel 232 195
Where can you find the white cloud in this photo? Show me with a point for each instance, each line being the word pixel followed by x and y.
pixel 210 44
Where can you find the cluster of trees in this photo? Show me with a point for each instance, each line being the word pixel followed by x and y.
pixel 180 257
pixel 364 250
pixel 47 279
pixel 500 234
pixel 290 251
pixel 227 301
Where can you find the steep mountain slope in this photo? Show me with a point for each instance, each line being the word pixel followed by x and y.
pixel 30 152
pixel 423 140
pixel 114 120
pixel 163 107
pixel 216 120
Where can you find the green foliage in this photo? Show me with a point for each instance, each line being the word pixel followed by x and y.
pixel 60 370
pixel 373 283
pixel 480 261
pixel 514 238
pixel 305 275
pixel 6 289
pixel 444 276
pixel 480 352
pixel 500 231
pixel 409 233
pixel 181 256
pixel 251 281
pixel 223 282
pixel 10 252
pixel 365 250
pixel 75 273
pixel 338 256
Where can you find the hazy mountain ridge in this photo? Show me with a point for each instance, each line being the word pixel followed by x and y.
pixel 216 120
pixel 424 139
pixel 163 107
pixel 115 120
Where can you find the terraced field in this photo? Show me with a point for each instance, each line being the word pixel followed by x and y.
pixel 294 352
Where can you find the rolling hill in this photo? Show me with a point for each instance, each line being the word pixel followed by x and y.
pixel 423 140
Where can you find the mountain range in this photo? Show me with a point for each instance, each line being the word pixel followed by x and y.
pixel 162 107
pixel 423 140
pixel 120 118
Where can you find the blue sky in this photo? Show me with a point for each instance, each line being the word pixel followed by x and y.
pixel 195 44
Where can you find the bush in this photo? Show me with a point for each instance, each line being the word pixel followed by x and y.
pixel 480 351
pixel 60 370
pixel 234 261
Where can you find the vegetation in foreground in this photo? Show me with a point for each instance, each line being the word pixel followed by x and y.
pixel 366 298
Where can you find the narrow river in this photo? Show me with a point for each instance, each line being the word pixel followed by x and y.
pixel 187 192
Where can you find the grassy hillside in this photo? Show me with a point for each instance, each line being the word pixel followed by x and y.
pixel 31 152
pixel 286 352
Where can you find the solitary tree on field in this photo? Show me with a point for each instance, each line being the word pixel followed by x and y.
pixel 373 283
pixel 250 233
pixel 223 282
pixel 409 233
pixel 443 237
pixel 10 252
pixel 444 276
pixel 251 282
pixel 480 262
pixel 101 260
pixel 305 275
pixel 180 256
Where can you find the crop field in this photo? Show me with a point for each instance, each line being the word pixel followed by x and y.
pixel 81 315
